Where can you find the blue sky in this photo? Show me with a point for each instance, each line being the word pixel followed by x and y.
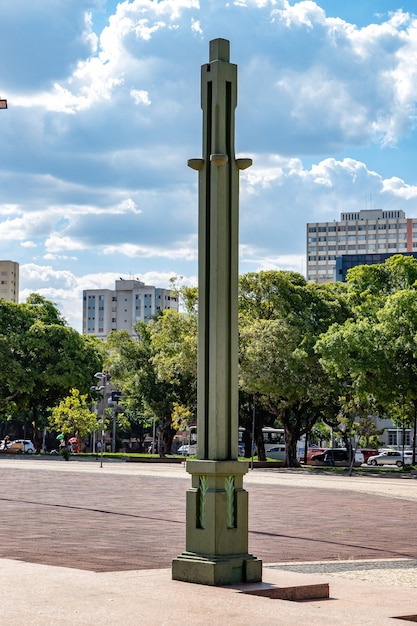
pixel 104 111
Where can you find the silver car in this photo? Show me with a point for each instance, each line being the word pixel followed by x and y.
pixel 390 457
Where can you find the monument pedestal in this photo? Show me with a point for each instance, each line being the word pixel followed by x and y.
pixel 217 527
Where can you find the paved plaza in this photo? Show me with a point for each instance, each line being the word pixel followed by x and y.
pixel 127 518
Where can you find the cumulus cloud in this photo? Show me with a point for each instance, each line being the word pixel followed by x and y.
pixel 104 111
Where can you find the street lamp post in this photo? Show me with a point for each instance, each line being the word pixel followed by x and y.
pixel 102 388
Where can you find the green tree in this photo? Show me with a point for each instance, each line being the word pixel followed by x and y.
pixel 369 285
pixel 133 365
pixel 281 318
pixel 73 416
pixel 42 359
pixel 374 355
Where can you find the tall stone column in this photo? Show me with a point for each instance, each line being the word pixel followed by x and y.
pixel 217 505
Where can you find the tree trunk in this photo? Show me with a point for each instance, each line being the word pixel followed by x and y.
pixel 166 436
pixel 290 449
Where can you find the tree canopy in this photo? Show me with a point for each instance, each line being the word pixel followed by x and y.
pixel 42 359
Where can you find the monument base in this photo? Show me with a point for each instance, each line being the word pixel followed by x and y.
pixel 215 570
pixel 217 527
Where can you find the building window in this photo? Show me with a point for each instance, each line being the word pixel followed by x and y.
pixel 392 437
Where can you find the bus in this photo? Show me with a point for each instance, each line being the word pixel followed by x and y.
pixel 272 437
pixel 190 448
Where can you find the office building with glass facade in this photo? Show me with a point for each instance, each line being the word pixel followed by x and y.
pixel 367 232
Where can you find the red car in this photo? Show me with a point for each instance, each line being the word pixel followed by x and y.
pixel 367 452
pixel 311 451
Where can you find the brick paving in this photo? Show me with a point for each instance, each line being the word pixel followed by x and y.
pixel 109 522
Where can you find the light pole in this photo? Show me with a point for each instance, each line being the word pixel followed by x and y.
pixel 102 388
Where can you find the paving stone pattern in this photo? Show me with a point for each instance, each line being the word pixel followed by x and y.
pixel 102 522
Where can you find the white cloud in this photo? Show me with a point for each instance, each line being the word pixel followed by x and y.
pixel 140 97
pixel 131 250
pixel 97 134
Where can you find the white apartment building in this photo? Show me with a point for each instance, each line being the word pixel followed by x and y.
pixel 131 301
pixel 9 281
pixel 369 231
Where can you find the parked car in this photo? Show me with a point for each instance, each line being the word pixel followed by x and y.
pixel 277 453
pixel 337 457
pixel 184 450
pixel 367 452
pixel 19 445
pixel 310 452
pixel 27 445
pixel 390 457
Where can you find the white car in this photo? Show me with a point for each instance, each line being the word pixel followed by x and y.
pixel 27 445
pixel 277 453
pixel 391 457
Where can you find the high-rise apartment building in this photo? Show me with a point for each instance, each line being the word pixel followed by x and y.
pixel 131 301
pixel 369 231
pixel 9 281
